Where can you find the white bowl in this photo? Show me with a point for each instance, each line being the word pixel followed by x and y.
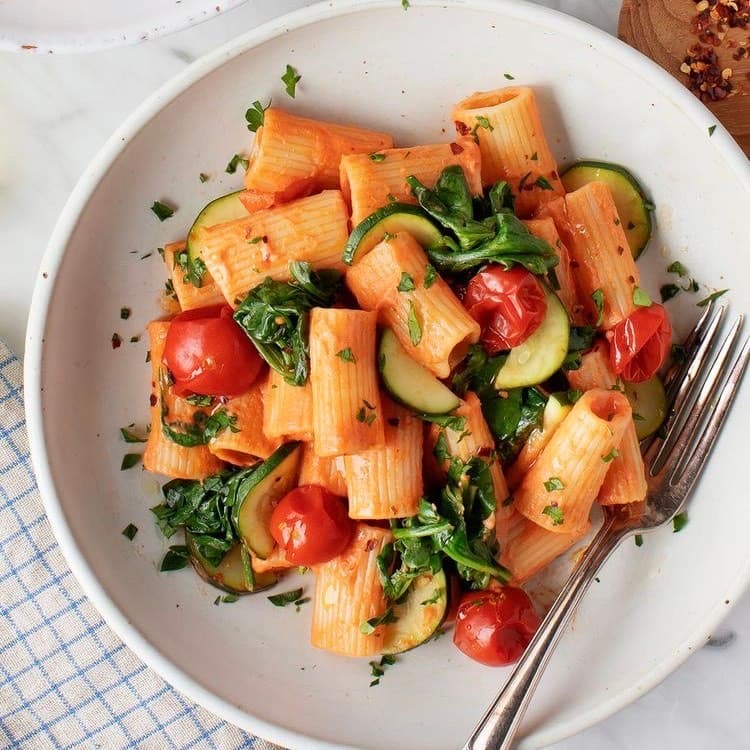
pixel 83 25
pixel 398 71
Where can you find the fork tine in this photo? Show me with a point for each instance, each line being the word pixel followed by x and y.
pixel 683 388
pixel 681 433
pixel 676 373
pixel 694 461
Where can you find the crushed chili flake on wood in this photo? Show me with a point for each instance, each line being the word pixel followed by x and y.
pixel 707 77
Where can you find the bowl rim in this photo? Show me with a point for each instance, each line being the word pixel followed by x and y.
pixel 87 184
pixel 133 33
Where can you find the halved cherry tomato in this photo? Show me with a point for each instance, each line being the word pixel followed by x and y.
pixel 311 525
pixel 639 345
pixel 494 627
pixel 509 305
pixel 209 354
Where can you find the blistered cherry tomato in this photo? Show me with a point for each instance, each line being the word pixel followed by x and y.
pixel 508 305
pixel 494 627
pixel 639 345
pixel 311 525
pixel 209 354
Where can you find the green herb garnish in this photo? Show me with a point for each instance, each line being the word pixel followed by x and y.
pixel 377 157
pixel 430 276
pixel 130 437
pixel 288 597
pixel 130 531
pixel 346 355
pixel 290 80
pixel 176 558
pixel 129 460
pixel 680 521
pixel 711 297
pixel 543 183
pixel 255 115
pixel 236 161
pixel 415 328
pixel 368 627
pixel 611 456
pixel 640 298
pixel 598 296
pixel 555 514
pixel 406 284
pixel 554 484
pixel 162 210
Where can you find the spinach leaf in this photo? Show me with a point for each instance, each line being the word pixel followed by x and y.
pixel 275 315
pixel 204 509
pixel 581 340
pixel 498 238
pixel 513 417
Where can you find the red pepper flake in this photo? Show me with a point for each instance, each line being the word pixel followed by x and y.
pixel 462 128
pixel 456 148
pixel 152 399
pixel 707 77
pixel 116 340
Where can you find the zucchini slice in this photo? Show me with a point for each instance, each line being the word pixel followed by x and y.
pixel 259 495
pixel 649 403
pixel 537 358
pixel 419 615
pixel 632 204
pixel 395 217
pixel 226 208
pixel 409 383
pixel 229 574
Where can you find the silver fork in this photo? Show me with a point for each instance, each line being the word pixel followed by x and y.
pixel 673 462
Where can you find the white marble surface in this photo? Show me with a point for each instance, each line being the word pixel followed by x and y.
pixel 56 112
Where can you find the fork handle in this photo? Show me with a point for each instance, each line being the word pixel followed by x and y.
pixel 498 726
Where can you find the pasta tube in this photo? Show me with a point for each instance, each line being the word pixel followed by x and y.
pixel 428 319
pixel 347 413
pixel 386 482
pixel 248 444
pixel 348 593
pixel 511 139
pixel 626 479
pixel 326 471
pixel 240 254
pixel 189 295
pixel 600 254
pixel 294 156
pixel 287 409
pixel 371 181
pixel 162 455
pixel 560 488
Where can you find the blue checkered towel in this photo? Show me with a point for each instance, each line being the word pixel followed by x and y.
pixel 66 680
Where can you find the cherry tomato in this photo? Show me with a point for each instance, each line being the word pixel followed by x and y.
pixel 312 525
pixel 209 354
pixel 639 344
pixel 509 305
pixel 494 627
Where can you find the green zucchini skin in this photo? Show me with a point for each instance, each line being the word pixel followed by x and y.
pixel 393 218
pixel 259 495
pixel 542 354
pixel 417 622
pixel 409 383
pixel 649 403
pixel 229 574
pixel 226 208
pixel 633 207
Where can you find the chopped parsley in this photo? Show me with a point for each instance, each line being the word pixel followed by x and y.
pixel 129 460
pixel 680 521
pixel 667 291
pixel 124 313
pixel 162 210
pixel 554 484
pixel 176 558
pixel 611 456
pixel 711 297
pixel 368 626
pixel 226 599
pixel 346 355
pixel 192 269
pixel 290 79
pixel 678 268
pixel 288 597
pixel 130 437
pixel 377 157
pixel 573 395
pixel 255 115
pixel 638 540
pixel 543 183
pixel 598 296
pixel 415 328
pixel 509 77
pixel 435 598
pixel 555 514
pixel 405 4
pixel 130 531
pixel 711 129
pixel 407 283
pixel 483 122
pixel 640 298
pixel 430 276
pixel 196 399
pixel 203 177
pixel 236 161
